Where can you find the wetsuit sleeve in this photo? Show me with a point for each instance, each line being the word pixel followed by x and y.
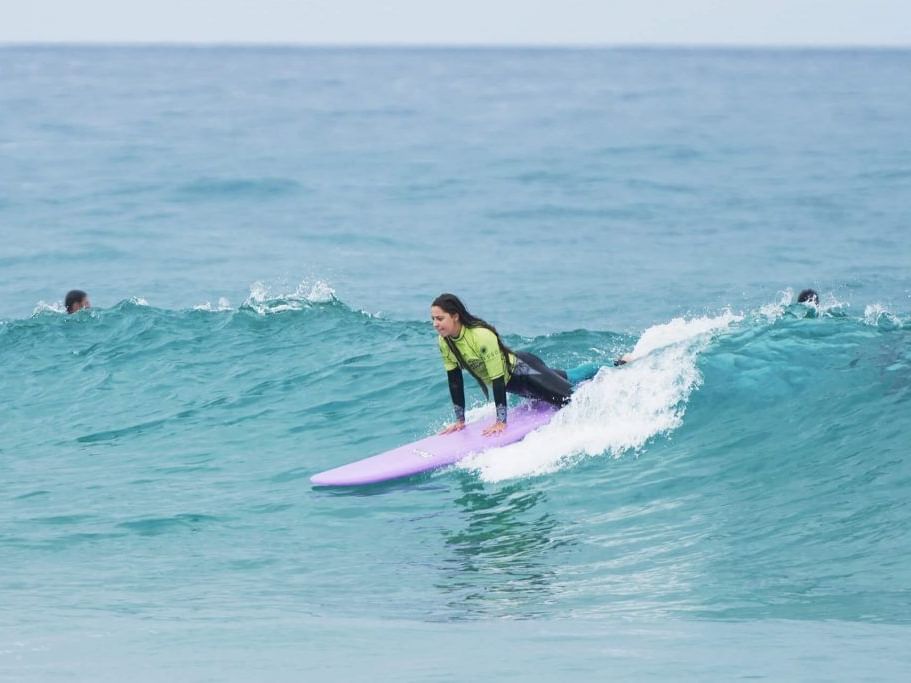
pixel 499 398
pixel 449 360
pixel 457 392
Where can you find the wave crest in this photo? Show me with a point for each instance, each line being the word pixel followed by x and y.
pixel 619 410
pixel 266 300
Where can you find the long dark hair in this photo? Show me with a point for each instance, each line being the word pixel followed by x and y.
pixel 453 305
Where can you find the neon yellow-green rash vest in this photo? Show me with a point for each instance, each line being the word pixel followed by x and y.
pixel 481 353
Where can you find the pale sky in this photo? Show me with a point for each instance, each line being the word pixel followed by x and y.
pixel 460 22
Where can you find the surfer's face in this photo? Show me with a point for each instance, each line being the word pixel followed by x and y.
pixel 446 324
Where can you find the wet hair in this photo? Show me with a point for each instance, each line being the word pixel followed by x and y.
pixel 454 306
pixel 73 297
pixel 808 296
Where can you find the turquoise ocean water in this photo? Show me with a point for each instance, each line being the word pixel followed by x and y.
pixel 261 232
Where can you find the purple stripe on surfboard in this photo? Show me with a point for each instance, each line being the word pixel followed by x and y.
pixel 436 451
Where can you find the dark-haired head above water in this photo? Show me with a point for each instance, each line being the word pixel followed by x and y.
pixel 808 296
pixel 76 300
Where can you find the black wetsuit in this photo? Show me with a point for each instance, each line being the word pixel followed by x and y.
pixel 533 379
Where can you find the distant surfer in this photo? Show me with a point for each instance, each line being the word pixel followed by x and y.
pixel 808 296
pixel 76 300
pixel 467 342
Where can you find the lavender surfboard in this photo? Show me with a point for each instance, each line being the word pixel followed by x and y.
pixel 436 451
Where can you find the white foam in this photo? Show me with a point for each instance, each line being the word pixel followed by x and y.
pixel 775 310
pixel 44 307
pixel 619 410
pixel 878 315
pixel 222 305
pixel 317 293
pixel 264 299
pixel 829 304
pixel 681 330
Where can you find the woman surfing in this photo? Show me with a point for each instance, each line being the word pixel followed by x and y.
pixel 470 343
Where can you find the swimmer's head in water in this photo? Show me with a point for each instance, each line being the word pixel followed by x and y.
pixel 808 296
pixel 76 300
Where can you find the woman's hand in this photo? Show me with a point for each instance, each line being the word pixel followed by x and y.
pixel 495 428
pixel 454 427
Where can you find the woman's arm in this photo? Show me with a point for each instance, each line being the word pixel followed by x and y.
pixel 499 399
pixel 457 393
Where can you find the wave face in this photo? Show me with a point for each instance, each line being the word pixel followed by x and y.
pixel 740 467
